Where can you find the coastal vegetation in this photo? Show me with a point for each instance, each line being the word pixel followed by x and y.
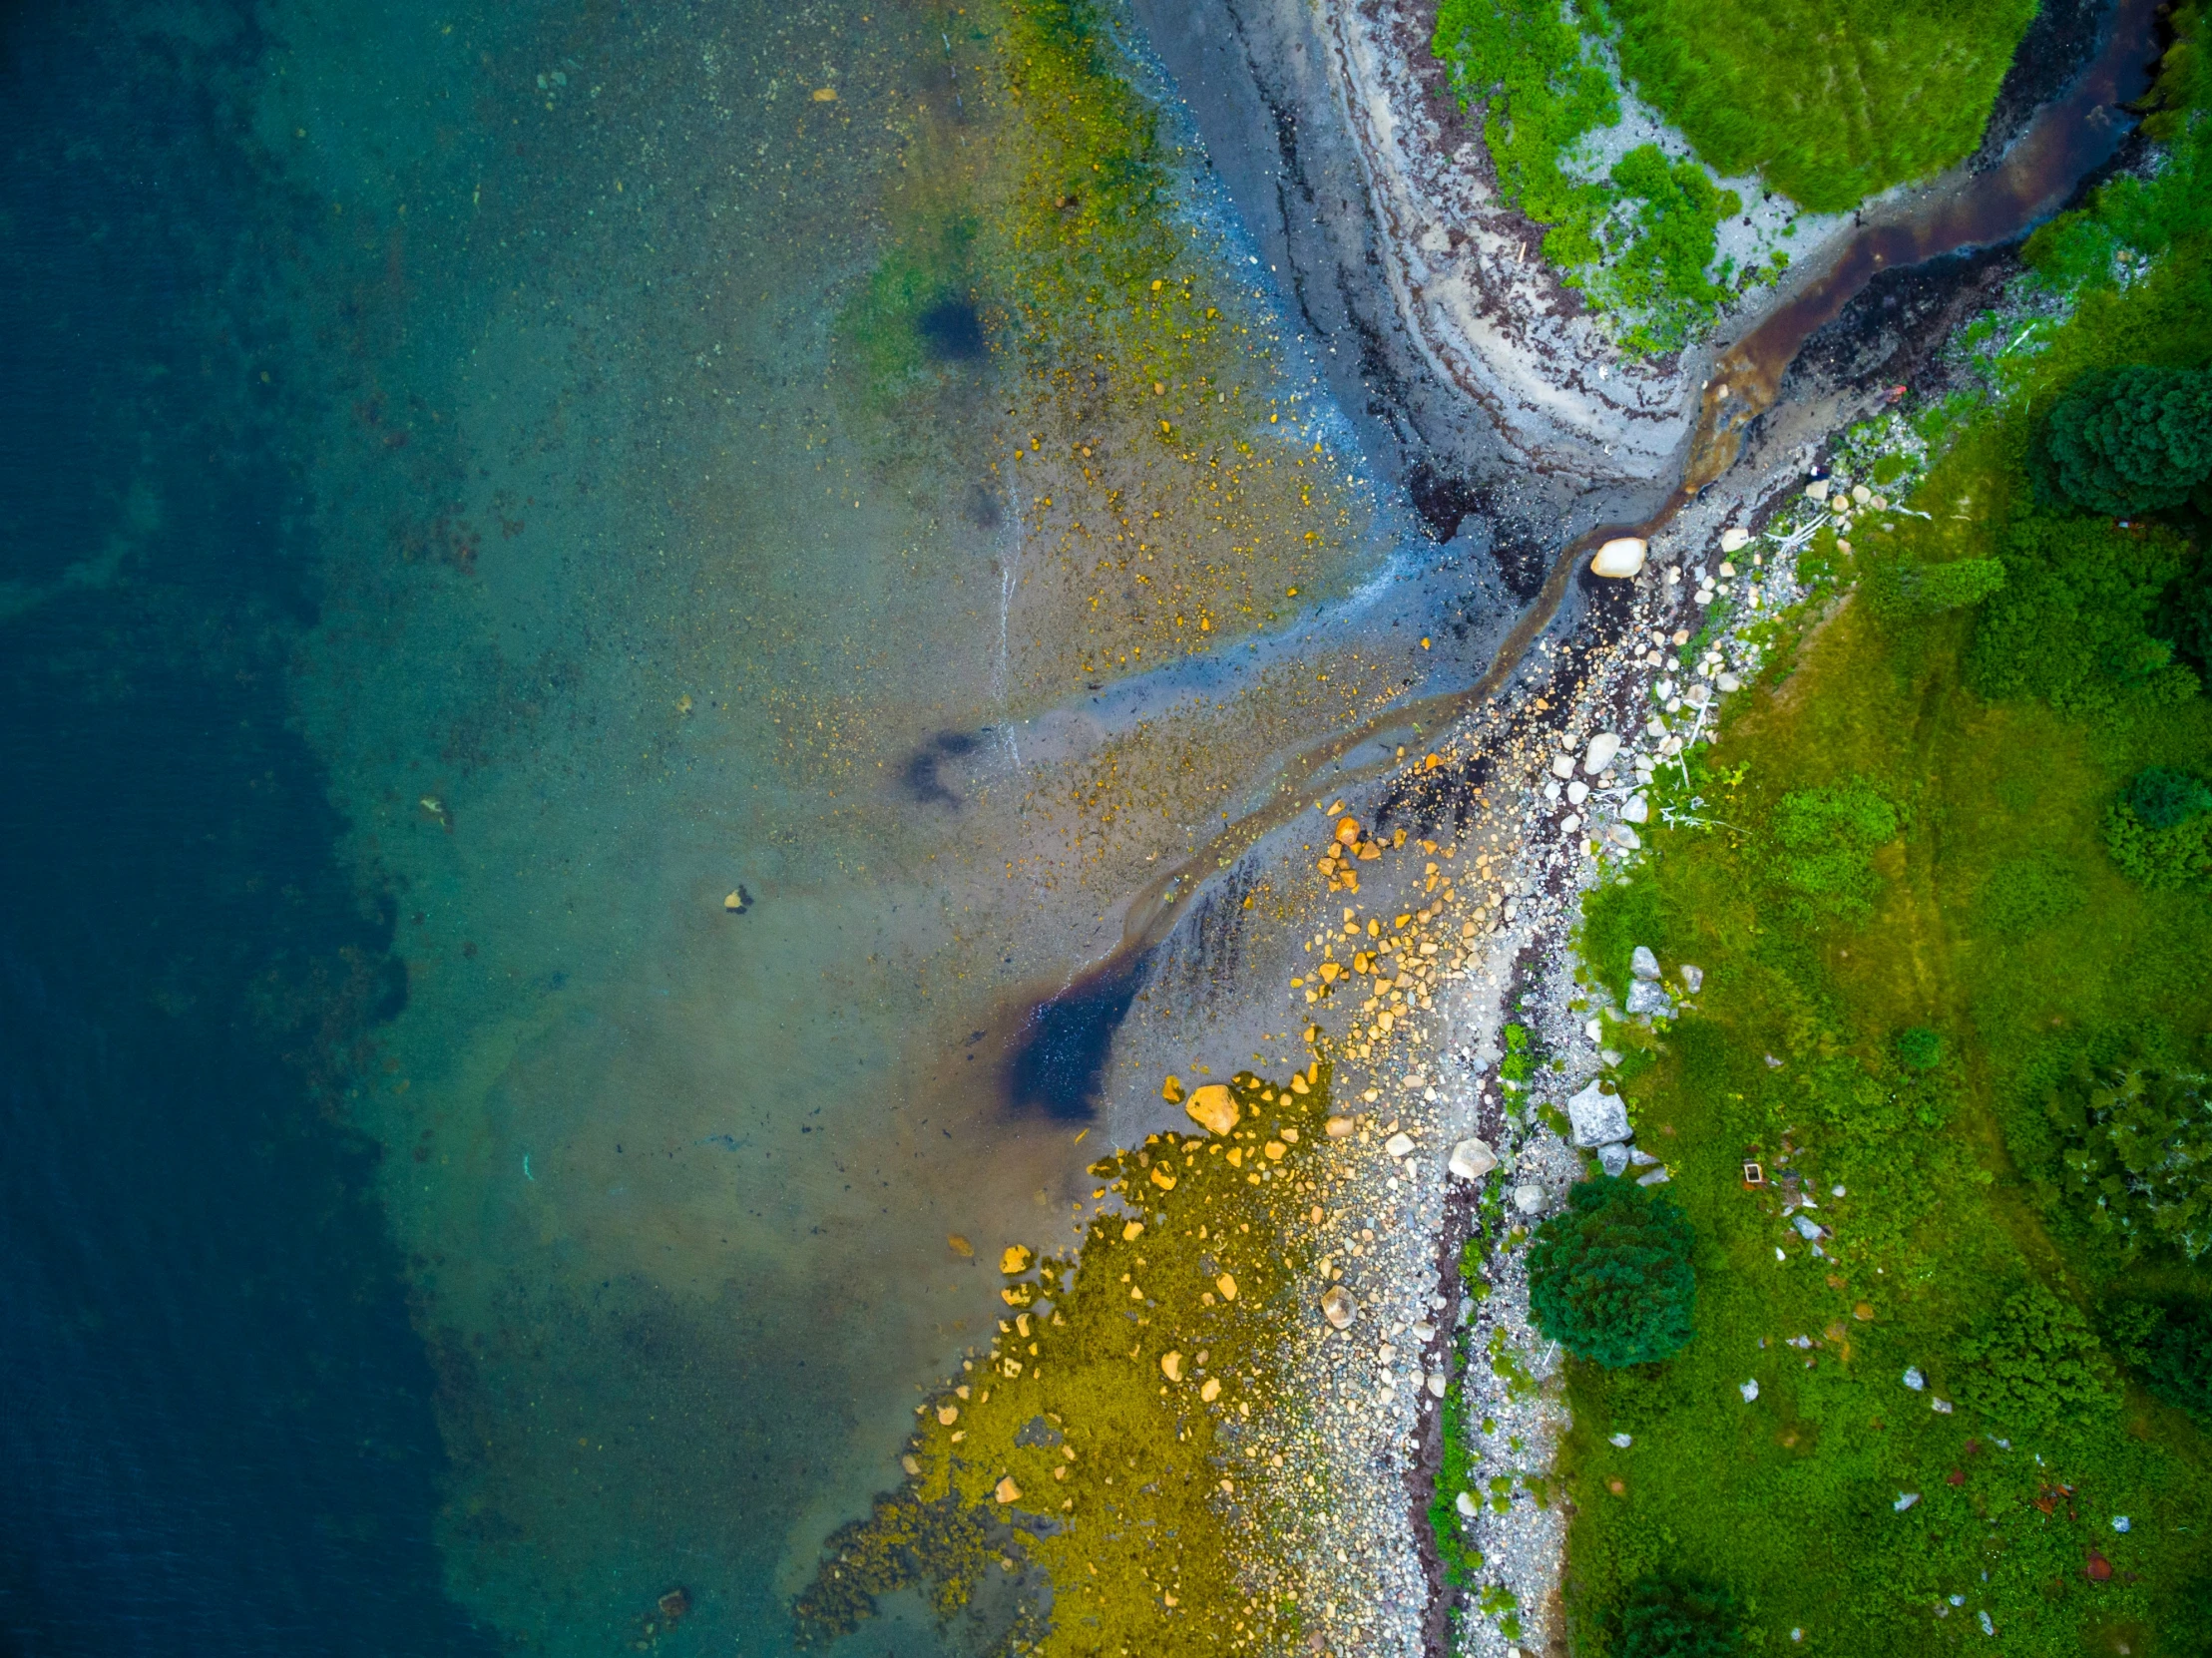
pixel 1826 105
pixel 1937 1114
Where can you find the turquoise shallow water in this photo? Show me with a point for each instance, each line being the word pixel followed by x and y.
pixel 583 596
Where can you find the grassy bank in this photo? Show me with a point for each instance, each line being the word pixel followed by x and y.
pixel 1829 103
pixel 1979 1351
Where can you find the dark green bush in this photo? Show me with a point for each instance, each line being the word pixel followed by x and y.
pixel 2161 797
pixel 1678 1616
pixel 2070 625
pixel 1823 846
pixel 1919 1048
pixel 1610 1278
pixel 2170 1345
pixel 2131 440
pixel 2138 1151
pixel 2035 1363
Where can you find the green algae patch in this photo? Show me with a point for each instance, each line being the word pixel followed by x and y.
pixel 1091 1481
pixel 1051 312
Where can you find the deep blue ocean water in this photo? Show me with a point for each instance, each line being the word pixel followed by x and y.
pixel 216 1429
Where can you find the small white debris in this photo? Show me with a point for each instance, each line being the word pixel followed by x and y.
pixel 1941 1406
pixel 2119 1523
pixel 1750 1391
pixel 1913 1377
pixel 1621 1441
pixel 1905 1500
pixel 1987 1628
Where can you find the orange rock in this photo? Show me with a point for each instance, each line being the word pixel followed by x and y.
pixel 1212 1107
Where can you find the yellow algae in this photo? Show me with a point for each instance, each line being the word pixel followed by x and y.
pixel 959 1245
pixel 1086 1452
pixel 1171 1090
pixel 1015 1258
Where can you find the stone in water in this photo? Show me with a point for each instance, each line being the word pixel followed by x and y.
pixel 1599 755
pixel 1597 1118
pixel 1622 556
pixel 1528 1200
pixel 1734 539
pixel 1398 1145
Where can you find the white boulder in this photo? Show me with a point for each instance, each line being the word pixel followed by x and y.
pixel 1602 749
pixel 1622 556
pixel 1596 1117
pixel 1734 539
pixel 1471 1159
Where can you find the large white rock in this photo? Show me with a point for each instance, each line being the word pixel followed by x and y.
pixel 1471 1159
pixel 1636 809
pixel 1734 539
pixel 1602 749
pixel 1596 1117
pixel 1622 556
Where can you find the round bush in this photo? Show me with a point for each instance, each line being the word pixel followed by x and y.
pixel 1609 1279
pixel 1679 1617
pixel 2164 797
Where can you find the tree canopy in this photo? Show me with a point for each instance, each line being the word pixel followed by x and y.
pixel 2131 440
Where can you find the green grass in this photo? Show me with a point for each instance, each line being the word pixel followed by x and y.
pixel 1830 101
pixel 1917 942
pixel 1641 241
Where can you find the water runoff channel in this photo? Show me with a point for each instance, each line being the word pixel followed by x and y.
pixel 1059 1041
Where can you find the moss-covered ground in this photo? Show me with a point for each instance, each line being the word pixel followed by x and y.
pixel 1912 934
pixel 1107 1438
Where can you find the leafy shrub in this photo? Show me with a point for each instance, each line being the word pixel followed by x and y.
pixel 1544 90
pixel 1905 589
pixel 2025 895
pixel 2131 440
pixel 1824 842
pixel 2176 859
pixel 1678 1616
pixel 1663 269
pixel 1610 1278
pixel 2035 1363
pixel 2070 623
pixel 2138 1151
